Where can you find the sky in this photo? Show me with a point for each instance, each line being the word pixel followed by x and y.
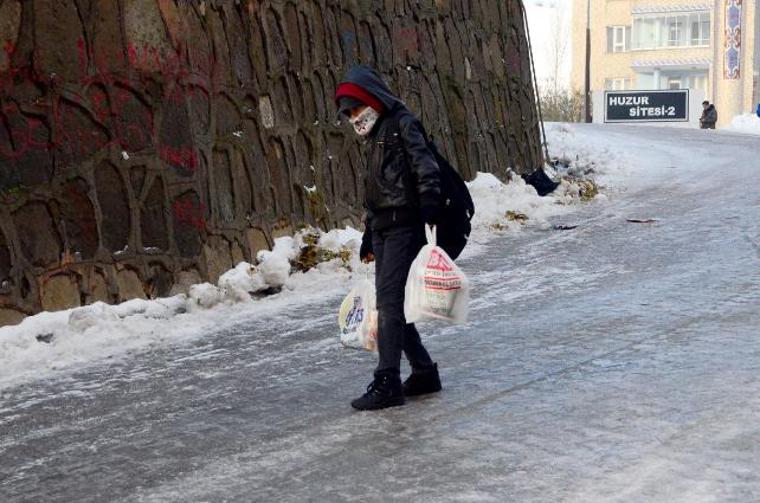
pixel 549 23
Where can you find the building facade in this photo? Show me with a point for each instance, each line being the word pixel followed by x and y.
pixel 707 45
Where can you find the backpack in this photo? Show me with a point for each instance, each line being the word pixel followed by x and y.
pixel 457 206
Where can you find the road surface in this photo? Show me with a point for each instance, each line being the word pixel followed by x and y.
pixel 617 361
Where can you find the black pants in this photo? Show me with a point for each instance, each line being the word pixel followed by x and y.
pixel 395 249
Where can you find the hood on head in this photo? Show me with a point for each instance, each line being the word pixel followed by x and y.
pixel 368 79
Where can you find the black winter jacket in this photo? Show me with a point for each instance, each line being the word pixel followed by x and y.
pixel 403 178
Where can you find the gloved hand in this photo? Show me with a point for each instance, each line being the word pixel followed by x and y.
pixel 365 251
pixel 430 214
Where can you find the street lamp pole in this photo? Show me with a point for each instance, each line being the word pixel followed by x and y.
pixel 588 61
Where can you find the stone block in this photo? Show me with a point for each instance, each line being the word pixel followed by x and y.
pixel 257 241
pixel 60 292
pixel 216 255
pixel 98 289
pixel 39 239
pixel 10 317
pixel 237 254
pixel 185 279
pixel 129 285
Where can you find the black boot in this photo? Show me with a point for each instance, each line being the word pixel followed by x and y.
pixel 384 391
pixel 422 382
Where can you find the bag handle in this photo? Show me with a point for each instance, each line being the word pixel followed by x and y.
pixel 430 233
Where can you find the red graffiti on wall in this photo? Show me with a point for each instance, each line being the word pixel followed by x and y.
pixel 183 157
pixel 132 124
pixel 187 211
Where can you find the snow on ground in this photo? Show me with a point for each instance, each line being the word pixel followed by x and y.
pixel 589 154
pixel 748 123
pixel 51 342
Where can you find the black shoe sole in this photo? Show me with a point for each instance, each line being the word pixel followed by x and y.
pixel 421 393
pixel 394 402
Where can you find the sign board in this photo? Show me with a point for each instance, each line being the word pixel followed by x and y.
pixel 646 106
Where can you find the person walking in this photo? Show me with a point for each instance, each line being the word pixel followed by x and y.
pixel 402 193
pixel 709 116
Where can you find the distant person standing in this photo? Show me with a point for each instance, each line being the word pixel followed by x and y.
pixel 709 116
pixel 758 109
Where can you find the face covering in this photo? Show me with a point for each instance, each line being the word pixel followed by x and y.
pixel 364 121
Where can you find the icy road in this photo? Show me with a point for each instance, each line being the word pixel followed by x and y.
pixel 616 361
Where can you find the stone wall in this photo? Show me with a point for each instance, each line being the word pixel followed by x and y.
pixel 149 144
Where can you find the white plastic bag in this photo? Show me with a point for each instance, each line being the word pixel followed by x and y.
pixel 436 287
pixel 357 317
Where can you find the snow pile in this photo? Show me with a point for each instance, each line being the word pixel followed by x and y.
pixel 47 342
pixel 748 123
pixel 500 206
pixel 274 266
pixel 243 279
pixel 579 159
pixel 578 153
pixel 338 239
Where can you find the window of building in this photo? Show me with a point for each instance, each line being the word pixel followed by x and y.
pixel 700 29
pixel 655 31
pixel 645 33
pixel 618 38
pixel 621 84
pixel 676 32
pixel 698 82
pixel 674 83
